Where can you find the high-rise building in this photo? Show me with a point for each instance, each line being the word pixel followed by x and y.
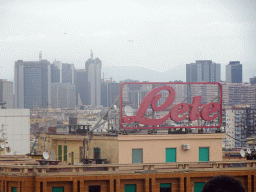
pixel 93 68
pixel 68 73
pixel 203 71
pixel 109 92
pixel 6 93
pixel 239 124
pixel 56 72
pixel 63 95
pixel 253 80
pixel 81 83
pixel 239 94
pixel 234 73
pixel 32 81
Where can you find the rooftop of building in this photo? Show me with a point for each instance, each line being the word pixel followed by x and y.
pixel 109 169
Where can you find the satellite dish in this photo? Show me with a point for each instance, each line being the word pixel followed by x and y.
pixel 2 145
pixel 128 110
pixel 45 155
pixel 115 108
pixel 249 151
pixel 242 153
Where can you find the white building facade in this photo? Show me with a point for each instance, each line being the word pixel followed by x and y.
pixel 15 129
pixel 93 68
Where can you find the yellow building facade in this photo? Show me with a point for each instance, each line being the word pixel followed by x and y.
pixel 126 149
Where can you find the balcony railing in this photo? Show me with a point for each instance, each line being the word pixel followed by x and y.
pixel 51 170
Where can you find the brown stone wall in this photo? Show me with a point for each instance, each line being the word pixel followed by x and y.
pixel 180 182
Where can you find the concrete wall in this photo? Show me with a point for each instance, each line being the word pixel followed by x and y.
pixel 108 146
pixel 16 128
pixel 154 147
pixel 147 182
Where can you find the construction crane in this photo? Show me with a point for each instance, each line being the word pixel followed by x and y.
pixel 87 140
pixel 37 135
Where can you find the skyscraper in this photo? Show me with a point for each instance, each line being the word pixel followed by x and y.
pixel 6 93
pixel 234 73
pixel 109 92
pixel 68 73
pixel 203 71
pixel 32 84
pixel 81 83
pixel 253 80
pixel 63 95
pixel 93 68
pixel 56 72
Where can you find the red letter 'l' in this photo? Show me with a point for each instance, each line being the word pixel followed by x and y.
pixel 196 103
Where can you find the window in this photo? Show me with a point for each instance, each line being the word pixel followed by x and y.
pixel 137 155
pixel 14 189
pixel 204 154
pixel 81 153
pixel 198 187
pixel 130 188
pixel 60 152
pixel 97 152
pixel 165 187
pixel 57 189
pixel 170 154
pixel 94 188
pixel 65 153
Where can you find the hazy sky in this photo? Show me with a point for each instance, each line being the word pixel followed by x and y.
pixel 156 34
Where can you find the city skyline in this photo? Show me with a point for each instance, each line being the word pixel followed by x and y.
pixel 157 36
pixel 111 72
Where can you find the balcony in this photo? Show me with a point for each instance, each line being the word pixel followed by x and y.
pixel 108 169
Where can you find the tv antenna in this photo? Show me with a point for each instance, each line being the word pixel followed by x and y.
pixel 2 131
pixel 40 56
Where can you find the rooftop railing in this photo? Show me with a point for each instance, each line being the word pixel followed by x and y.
pixel 99 169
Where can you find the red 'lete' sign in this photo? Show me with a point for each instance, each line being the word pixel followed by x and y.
pixel 178 112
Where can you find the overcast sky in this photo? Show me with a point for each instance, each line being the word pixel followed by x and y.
pixel 156 34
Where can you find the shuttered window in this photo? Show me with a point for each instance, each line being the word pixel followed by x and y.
pixel 204 154
pixel 198 186
pixel 165 187
pixel 130 188
pixel 137 155
pixel 60 152
pixel 170 154
pixel 57 189
pixel 65 153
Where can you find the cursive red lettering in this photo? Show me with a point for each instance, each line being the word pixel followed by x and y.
pixel 177 112
pixel 152 97
pixel 196 103
pixel 208 109
pixel 179 109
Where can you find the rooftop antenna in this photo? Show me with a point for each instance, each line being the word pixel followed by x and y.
pixel 40 56
pixel 91 54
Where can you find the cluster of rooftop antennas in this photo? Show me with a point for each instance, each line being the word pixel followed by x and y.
pixel 2 147
pixel 242 152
